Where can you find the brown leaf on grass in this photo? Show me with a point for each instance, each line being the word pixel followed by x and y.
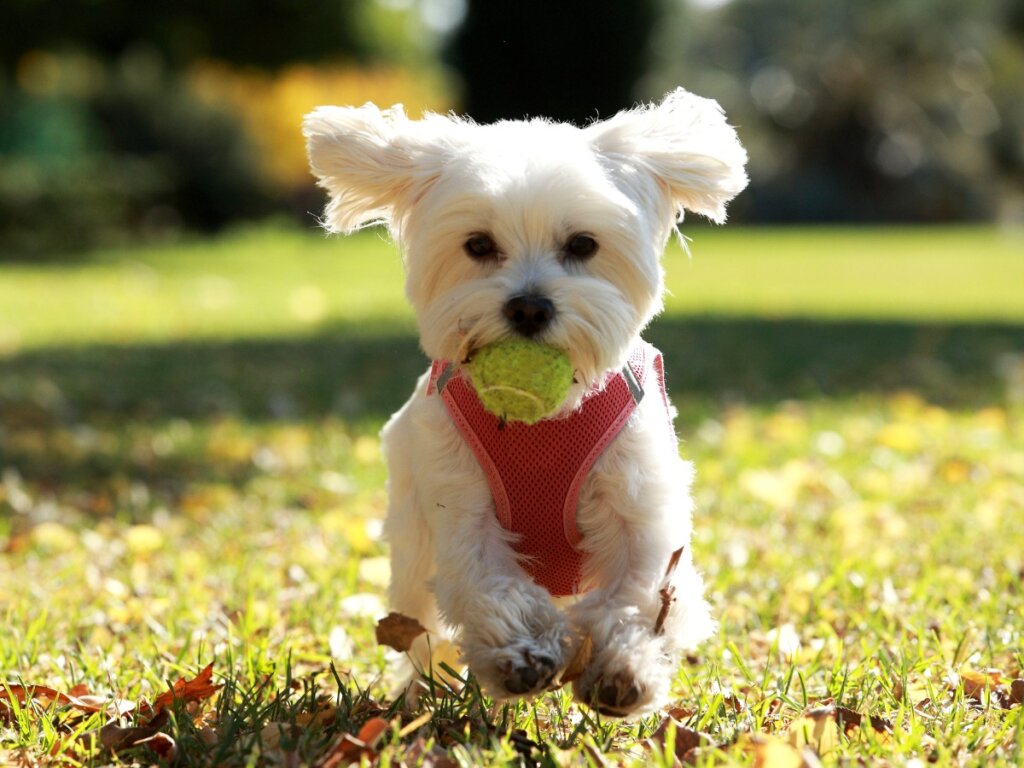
pixel 114 738
pixel 976 682
pixel 679 713
pixel 429 756
pixel 372 730
pixel 40 693
pixel 199 688
pixel 687 740
pixel 398 631
pixel 579 661
pixel 272 733
pixel 77 698
pixel 162 744
pixel 318 719
pixel 847 719
pixel 1002 691
pixel 1016 693
pixel 352 749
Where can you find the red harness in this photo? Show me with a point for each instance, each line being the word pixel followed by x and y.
pixel 535 472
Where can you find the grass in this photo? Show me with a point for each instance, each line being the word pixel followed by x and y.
pixel 269 282
pixel 189 475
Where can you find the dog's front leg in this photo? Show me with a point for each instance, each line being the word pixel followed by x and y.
pixel 512 636
pixel 648 604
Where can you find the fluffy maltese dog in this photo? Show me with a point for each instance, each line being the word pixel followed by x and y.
pixel 559 551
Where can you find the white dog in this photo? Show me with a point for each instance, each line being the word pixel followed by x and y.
pixel 553 232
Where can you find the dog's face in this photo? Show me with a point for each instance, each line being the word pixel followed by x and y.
pixel 529 227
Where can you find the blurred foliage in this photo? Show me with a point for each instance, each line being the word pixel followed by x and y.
pixel 271 107
pixel 859 110
pixel 97 154
pixel 267 33
pixel 130 122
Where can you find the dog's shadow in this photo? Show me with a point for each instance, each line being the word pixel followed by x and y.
pixel 362 373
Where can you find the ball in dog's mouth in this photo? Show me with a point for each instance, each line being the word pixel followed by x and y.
pixel 520 380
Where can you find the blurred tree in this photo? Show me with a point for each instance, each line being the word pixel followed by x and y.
pixel 266 33
pixel 859 110
pixel 103 138
pixel 569 60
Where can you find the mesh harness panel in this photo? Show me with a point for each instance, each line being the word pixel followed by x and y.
pixel 535 472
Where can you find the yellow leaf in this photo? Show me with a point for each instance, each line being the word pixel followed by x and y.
pixel 820 732
pixel 770 752
pixel 54 537
pixel 900 437
pixel 143 539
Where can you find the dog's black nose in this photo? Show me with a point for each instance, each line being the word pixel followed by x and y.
pixel 529 314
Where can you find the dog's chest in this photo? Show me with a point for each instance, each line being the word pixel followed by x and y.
pixel 535 472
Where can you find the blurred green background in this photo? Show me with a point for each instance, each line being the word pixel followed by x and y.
pixel 125 122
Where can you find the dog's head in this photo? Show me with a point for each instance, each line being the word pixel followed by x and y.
pixel 529 227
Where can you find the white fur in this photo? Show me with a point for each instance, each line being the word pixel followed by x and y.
pixel 531 185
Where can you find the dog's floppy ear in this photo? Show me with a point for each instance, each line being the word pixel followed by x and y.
pixel 372 162
pixel 685 144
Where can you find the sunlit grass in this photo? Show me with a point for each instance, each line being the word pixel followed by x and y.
pixel 283 282
pixel 923 273
pixel 166 503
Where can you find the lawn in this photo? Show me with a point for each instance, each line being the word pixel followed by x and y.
pixel 189 476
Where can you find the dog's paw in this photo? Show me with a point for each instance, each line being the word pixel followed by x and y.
pixel 630 675
pixel 519 659
pixel 523 672
pixel 528 666
pixel 617 694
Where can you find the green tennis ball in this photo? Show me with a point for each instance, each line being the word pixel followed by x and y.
pixel 520 380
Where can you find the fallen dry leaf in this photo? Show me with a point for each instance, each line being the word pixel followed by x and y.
pixel 114 738
pixel 579 661
pixel 679 713
pixel 77 698
pixel 817 729
pixel 320 718
pixel 687 740
pixel 1016 692
pixel 372 730
pixel 398 631
pixel 199 688
pixel 432 756
pixel 352 749
pixel 772 752
pixel 272 733
pixel 976 682
pixel 40 693
pixel 847 719
pixel 162 744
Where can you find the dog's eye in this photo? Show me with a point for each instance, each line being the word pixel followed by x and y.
pixel 481 246
pixel 581 246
